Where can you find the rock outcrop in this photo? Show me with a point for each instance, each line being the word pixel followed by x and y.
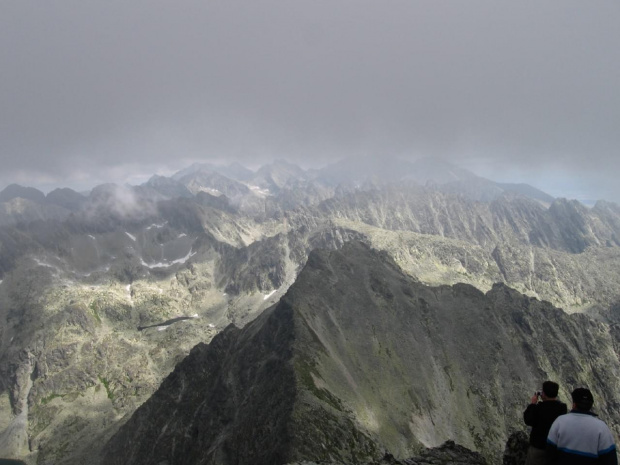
pixel 80 274
pixel 358 358
pixel 448 453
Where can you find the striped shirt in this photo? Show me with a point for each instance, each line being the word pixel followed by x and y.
pixel 580 438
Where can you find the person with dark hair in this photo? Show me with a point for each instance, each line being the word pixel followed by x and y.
pixel 580 438
pixel 540 416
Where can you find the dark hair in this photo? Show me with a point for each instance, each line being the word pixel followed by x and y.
pixel 551 389
pixel 582 397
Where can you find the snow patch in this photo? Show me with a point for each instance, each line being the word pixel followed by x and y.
pixel 105 269
pixel 269 295
pixel 211 191
pixel 92 237
pixel 211 325
pixel 157 225
pixel 173 262
pixel 162 328
pixel 259 191
pixel 195 315
pixel 47 265
pixel 131 236
pixel 181 235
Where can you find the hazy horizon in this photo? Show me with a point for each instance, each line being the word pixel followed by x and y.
pixel 95 92
pixel 255 167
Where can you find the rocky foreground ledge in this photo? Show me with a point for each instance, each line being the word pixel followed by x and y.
pixel 448 453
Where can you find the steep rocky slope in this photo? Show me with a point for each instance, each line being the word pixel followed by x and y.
pixel 448 453
pixel 586 282
pixel 20 204
pixel 73 357
pixel 566 225
pixel 358 358
pixel 74 291
pixel 20 210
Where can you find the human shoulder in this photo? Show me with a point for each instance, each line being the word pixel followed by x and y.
pixel 589 418
pixel 532 409
pixel 567 417
pixel 554 406
pixel 599 422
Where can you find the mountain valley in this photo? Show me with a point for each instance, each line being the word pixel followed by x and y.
pixel 103 296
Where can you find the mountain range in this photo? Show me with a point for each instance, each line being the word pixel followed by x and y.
pixel 330 314
pixel 359 357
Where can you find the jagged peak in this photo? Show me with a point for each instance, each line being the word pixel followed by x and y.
pixel 13 191
pixel 605 205
pixel 355 349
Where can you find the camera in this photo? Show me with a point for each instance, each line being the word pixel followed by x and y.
pixel 538 393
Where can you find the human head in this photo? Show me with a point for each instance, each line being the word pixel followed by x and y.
pixel 582 399
pixel 550 389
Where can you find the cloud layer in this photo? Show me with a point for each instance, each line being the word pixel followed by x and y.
pixel 527 90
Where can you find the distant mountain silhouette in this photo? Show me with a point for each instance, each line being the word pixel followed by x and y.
pixel 14 191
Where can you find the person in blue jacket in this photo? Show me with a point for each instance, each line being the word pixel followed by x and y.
pixel 579 437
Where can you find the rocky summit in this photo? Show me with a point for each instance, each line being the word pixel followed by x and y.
pixel 358 360
pixel 102 294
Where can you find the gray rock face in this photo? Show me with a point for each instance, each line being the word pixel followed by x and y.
pixel 23 211
pixel 73 291
pixel 201 394
pixel 358 358
pixel 515 452
pixel 67 198
pixel 168 187
pixel 214 182
pixel 14 191
pixel 446 454
pixel 566 225
pixel 278 175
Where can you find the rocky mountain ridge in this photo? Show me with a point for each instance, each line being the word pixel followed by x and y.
pixel 358 358
pixel 75 287
pixel 252 190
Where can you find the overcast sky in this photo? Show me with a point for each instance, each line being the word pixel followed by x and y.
pixel 94 91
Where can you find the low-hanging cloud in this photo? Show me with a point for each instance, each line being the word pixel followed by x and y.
pixel 523 90
pixel 120 202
